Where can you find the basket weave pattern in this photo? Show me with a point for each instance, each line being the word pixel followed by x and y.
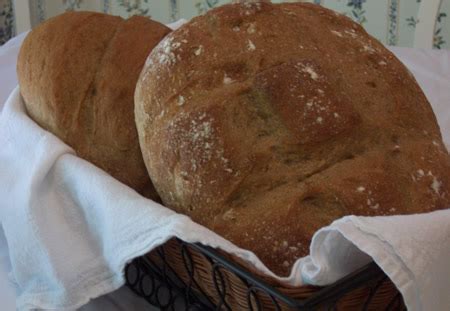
pixel 196 277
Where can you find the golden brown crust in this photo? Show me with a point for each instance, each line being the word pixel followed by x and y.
pixel 265 122
pixel 77 75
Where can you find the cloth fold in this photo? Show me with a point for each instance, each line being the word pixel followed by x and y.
pixel 413 250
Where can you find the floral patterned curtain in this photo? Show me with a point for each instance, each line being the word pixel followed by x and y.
pixel 393 22
pixel 6 20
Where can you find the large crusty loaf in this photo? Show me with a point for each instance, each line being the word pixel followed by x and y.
pixel 77 74
pixel 265 122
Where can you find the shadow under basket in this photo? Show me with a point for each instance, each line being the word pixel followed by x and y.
pixel 184 276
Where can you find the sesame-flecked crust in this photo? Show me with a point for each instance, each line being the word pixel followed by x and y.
pixel 266 122
pixel 77 74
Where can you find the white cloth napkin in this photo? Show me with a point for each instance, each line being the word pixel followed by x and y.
pixel 413 250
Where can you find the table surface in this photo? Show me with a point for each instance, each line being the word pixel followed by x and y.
pixel 430 67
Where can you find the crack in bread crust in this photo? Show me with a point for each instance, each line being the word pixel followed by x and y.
pixel 77 74
pixel 84 104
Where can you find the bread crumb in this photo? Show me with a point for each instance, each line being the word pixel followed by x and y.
pixel 382 63
pixel 251 28
pixel 229 215
pixel 368 48
pixel 193 165
pixel 180 101
pixel 376 206
pixel 288 12
pixel 336 115
pixel 351 33
pixel 227 79
pixel 360 189
pixel 250 7
pixel 436 185
pixel 312 73
pixel 171 195
pixel 337 33
pixel 224 160
pixel 202 116
pixel 319 120
pixel 251 46
pixel 420 172
pixel 236 28
pixel 199 50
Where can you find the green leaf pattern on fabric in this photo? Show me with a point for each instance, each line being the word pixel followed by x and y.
pixel 399 23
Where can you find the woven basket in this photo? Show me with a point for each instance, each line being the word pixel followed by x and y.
pixel 224 282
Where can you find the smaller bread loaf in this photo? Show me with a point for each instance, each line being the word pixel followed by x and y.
pixel 77 75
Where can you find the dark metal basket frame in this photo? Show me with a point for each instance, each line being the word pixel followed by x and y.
pixel 160 285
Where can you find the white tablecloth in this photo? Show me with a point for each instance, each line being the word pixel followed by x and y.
pixel 431 68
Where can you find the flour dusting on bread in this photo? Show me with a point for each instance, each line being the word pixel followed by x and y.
pixel 285 127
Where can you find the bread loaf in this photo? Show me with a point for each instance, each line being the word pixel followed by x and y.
pixel 265 122
pixel 77 74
